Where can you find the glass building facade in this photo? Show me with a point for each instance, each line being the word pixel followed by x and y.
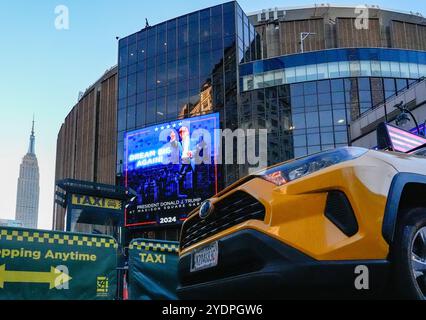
pixel 312 116
pixel 211 61
pixel 184 67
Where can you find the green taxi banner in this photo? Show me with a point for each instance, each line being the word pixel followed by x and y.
pixel 47 265
pixel 153 270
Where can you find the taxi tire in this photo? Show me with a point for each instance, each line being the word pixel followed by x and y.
pixel 404 283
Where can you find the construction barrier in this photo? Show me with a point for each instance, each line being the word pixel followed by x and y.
pixel 153 270
pixel 48 265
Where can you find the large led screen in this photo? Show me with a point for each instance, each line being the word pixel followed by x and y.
pixel 172 167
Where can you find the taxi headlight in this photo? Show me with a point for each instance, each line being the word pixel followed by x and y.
pixel 302 167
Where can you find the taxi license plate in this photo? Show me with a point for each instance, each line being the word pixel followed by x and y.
pixel 205 258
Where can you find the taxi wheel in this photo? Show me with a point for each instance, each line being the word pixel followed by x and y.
pixel 409 256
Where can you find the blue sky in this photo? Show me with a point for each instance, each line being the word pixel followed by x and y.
pixel 43 69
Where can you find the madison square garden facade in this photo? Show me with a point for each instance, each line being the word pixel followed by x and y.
pixel 180 81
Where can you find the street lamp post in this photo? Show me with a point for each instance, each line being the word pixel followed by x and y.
pixel 403 117
pixel 303 36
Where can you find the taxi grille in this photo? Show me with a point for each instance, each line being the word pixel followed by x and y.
pixel 228 212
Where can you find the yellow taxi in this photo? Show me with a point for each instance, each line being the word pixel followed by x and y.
pixel 346 221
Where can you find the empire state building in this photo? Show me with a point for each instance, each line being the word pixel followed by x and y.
pixel 27 198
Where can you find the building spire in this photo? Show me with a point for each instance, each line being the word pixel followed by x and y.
pixel 31 149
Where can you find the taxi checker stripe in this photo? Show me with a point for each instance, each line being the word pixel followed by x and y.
pixel 149 246
pixel 43 237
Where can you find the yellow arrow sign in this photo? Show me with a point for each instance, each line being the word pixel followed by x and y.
pixel 54 278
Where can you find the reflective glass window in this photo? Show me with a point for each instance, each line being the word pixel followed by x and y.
pixel 151 78
pixel 405 71
pixel 300 152
pixel 217 30
pixel 140 114
pixel 205 30
pixel 389 84
pixel 131 117
pixel 298 102
pixel 365 96
pixel 338 97
pixel 326 118
pixel 171 37
pixel 324 99
pixel 258 81
pixel 401 84
pixel 337 85
pixel 290 75
pixel 344 69
pixel 376 68
pixel 123 56
pixel 414 70
pixel 171 106
pixel 183 36
pixel 150 111
pixel 322 71
pixel 355 68
pixel 121 122
pixel 333 68
pixel 279 77
pixel 341 137
pixel 122 103
pixel 364 84
pixel 299 141
pixel 299 121
pixel 395 69
pixel 339 117
pixel 122 88
pixel 422 70
pixel 268 79
pixel 312 119
pixel 327 138
pixel 194 33
pixel 296 89
pixel 301 73
pixel 229 24
pixel 311 72
pixel 311 100
pixel 151 46
pixel 161 109
pixel 365 68
pixel 323 86
pixel 386 69
pixel 131 85
pixel 313 140
pixel 310 87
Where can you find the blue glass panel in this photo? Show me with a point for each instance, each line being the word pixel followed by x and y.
pixel 413 56
pixel 421 56
pixel 311 58
pixel 363 54
pixel 373 53
pixel 273 64
pixel 258 67
pixel 321 57
pixel 229 8
pixel 246 69
pixel 403 56
pixel 122 43
pixel 132 38
pixel 194 31
pixel 204 14
pixel 205 29
pixel 229 24
pixel 332 56
pixel 342 55
pixel 217 10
